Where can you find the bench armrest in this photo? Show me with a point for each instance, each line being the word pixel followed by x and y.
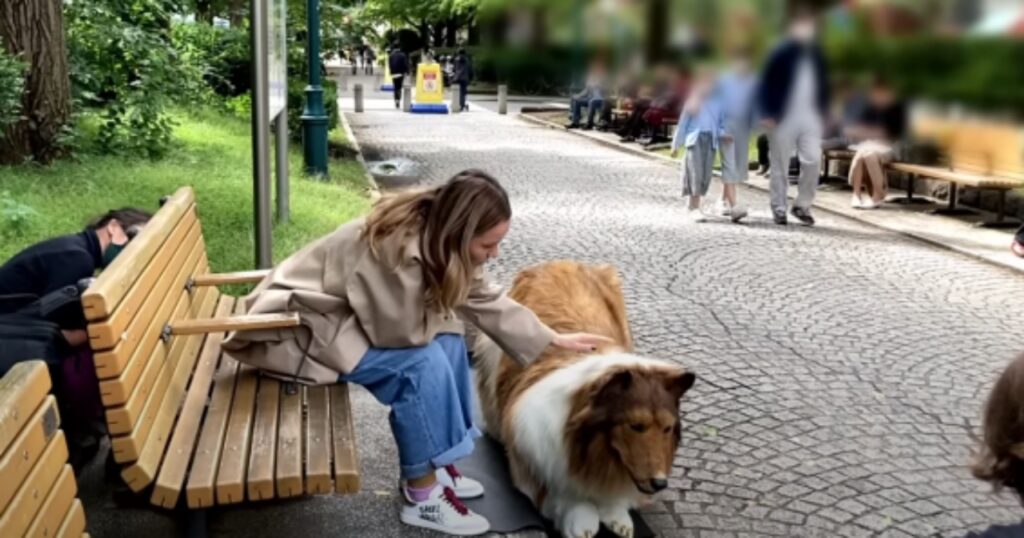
pixel 234 323
pixel 221 279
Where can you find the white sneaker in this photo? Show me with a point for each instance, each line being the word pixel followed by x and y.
pixel 856 202
pixel 736 213
pixel 722 209
pixel 695 215
pixel 869 204
pixel 443 512
pixel 466 488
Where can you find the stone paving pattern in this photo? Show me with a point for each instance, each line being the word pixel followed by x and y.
pixel 841 368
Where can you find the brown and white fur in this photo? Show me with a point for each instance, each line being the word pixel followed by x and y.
pixel 587 435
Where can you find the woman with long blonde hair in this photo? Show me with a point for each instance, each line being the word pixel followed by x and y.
pixel 379 301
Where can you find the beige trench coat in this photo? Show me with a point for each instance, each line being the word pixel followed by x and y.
pixel 349 301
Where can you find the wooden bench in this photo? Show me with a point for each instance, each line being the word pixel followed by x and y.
pixel 38 493
pixel 978 155
pixel 185 420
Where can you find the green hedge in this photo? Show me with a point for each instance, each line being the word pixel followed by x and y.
pixel 981 73
pixel 12 85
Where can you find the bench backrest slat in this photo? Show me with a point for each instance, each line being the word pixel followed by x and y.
pixel 32 491
pixel 987 148
pixel 113 284
pixel 22 389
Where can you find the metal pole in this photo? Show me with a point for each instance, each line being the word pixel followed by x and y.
pixel 260 133
pixel 281 165
pixel 406 97
pixel 455 109
pixel 314 116
pixel 357 94
pixel 502 99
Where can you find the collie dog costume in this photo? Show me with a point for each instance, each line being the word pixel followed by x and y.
pixel 587 434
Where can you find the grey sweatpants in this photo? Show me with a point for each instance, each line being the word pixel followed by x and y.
pixel 804 136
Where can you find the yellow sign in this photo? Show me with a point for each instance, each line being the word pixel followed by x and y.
pixel 429 84
pixel 387 84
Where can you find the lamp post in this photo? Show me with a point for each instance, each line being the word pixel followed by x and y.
pixel 314 116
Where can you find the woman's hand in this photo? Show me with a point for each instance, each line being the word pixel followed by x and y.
pixel 581 342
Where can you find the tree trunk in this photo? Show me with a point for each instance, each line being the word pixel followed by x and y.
pixel 451 29
pixel 204 11
pixel 236 12
pixel 657 31
pixel 35 30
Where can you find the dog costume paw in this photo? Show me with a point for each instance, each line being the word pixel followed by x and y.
pixel 618 521
pixel 581 521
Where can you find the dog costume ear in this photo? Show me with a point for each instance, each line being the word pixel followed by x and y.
pixel 619 382
pixel 679 382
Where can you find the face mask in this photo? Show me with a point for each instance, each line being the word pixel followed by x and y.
pixel 111 253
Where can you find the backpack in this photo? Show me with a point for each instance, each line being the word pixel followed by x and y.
pixel 30 327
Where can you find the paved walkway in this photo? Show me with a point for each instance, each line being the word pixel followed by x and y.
pixel 841 367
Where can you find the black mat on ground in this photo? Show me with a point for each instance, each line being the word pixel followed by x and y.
pixel 504 506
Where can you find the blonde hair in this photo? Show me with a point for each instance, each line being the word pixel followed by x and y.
pixel 1000 457
pixel 446 218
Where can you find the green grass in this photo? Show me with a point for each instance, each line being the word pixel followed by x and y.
pixel 212 153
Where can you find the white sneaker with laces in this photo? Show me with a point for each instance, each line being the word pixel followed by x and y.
pixel 443 512
pixel 466 488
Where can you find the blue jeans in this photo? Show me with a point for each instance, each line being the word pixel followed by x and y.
pixel 593 106
pixel 430 391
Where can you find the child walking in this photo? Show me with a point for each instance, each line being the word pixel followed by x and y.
pixel 734 93
pixel 699 129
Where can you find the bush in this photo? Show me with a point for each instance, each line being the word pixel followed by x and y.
pixel 221 54
pixel 525 71
pixel 12 87
pixel 122 62
pixel 982 73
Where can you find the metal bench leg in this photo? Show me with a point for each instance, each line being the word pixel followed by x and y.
pixel 1000 221
pixel 910 198
pixel 951 208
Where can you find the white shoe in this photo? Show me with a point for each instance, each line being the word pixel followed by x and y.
pixel 870 204
pixel 695 215
pixel 466 488
pixel 722 209
pixel 736 213
pixel 856 202
pixel 443 512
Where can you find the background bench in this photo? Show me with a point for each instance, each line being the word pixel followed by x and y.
pixel 37 485
pixel 188 423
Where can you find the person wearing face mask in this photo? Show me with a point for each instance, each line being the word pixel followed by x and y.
pixel 793 97
pixel 381 302
pixel 64 261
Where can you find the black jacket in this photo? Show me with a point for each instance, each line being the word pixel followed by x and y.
pixel 463 69
pixel 780 73
pixel 52 264
pixel 398 63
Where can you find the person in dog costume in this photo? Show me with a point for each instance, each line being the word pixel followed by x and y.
pixel 380 301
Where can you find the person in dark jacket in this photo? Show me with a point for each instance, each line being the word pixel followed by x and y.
pixel 463 75
pixel 398 63
pixel 793 100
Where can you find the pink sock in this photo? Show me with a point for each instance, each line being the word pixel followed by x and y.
pixel 420 494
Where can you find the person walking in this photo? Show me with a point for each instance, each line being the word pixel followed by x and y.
pixel 398 63
pixel 380 301
pixel 699 130
pixel 735 93
pixel 369 58
pixel 793 99
pixel 463 75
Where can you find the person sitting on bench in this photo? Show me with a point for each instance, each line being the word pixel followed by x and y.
pixel 882 124
pixel 378 300
pixel 592 96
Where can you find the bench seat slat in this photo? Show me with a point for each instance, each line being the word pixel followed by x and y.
pixel 346 464
pixel 103 296
pixel 106 333
pixel 203 473
pixel 74 522
pixel 289 445
pixel 240 277
pixel 264 441
pixel 235 456
pixel 142 473
pixel 978 181
pixel 318 441
pixel 179 451
pixel 22 389
pixel 31 491
pixel 27 448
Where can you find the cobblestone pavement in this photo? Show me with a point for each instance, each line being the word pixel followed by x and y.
pixel 842 368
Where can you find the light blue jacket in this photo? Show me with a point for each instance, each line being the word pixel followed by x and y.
pixel 708 119
pixel 735 95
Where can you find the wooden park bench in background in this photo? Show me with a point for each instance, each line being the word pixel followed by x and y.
pixel 37 485
pixel 191 426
